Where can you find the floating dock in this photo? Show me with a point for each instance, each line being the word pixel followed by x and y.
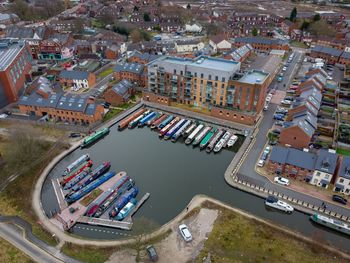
pixel 125 225
pixel 137 207
pixel 59 194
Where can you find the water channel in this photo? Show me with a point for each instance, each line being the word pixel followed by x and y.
pixel 173 173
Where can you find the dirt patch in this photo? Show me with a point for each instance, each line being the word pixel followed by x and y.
pixel 200 225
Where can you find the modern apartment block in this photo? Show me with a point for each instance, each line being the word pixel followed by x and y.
pixel 210 83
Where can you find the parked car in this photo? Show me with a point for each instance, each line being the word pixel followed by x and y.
pixel 279 123
pixel 281 180
pixel 289 98
pixel 3 116
pixel 74 135
pixel 267 149
pixel 286 102
pixel 279 79
pixel 185 233
pixel 8 112
pixel 281 109
pixel 276 131
pixel 284 68
pixel 152 253
pixel 261 163
pixel 264 156
pixel 278 117
pixel 339 199
pixel 273 142
pixel 291 91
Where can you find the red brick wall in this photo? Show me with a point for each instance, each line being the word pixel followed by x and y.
pixel 234 116
pixel 295 137
pixel 155 98
pixel 113 98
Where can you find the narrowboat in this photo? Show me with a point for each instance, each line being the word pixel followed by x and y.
pixel 94 137
pixel 201 135
pixel 193 134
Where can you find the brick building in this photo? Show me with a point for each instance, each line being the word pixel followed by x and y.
pixel 262 44
pixel 291 162
pixel 61 108
pixel 209 83
pixel 132 72
pixel 56 47
pixel 120 93
pixel 331 55
pixel 77 79
pixel 15 69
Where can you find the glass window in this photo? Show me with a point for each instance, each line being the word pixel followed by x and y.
pixel 209 77
pixel 223 79
pixel 202 76
pixel 216 78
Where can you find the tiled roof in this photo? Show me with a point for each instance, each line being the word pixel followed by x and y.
pixel 129 67
pixel 326 161
pixel 294 157
pixel 344 170
pixel 74 74
pixel 259 40
pixel 327 50
pixel 122 87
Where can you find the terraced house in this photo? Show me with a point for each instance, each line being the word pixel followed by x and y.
pixel 342 183
pixel 208 83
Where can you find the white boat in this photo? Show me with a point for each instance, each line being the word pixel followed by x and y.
pixel 273 202
pixel 232 140
pixel 331 223
pixel 222 142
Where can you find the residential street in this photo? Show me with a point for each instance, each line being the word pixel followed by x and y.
pixel 247 170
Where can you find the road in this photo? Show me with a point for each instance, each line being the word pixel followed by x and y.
pixel 15 237
pixel 247 170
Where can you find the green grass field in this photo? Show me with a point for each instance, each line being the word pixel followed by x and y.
pixel 9 253
pixel 236 238
pixel 343 151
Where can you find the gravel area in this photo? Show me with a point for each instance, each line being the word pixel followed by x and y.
pixel 174 246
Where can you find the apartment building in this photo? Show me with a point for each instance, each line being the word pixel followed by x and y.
pixel 15 69
pixel 77 79
pixel 262 44
pixel 209 83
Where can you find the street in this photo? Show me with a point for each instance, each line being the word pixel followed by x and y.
pixel 247 170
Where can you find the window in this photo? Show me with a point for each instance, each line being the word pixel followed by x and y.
pixel 195 74
pixel 209 77
pixel 181 72
pixel 175 71
pixel 202 76
pixel 216 78
pixel 326 176
pixel 341 180
pixel 318 174
pixel 223 79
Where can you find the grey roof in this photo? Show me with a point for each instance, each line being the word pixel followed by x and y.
pixel 314 96
pixel 74 74
pixel 122 87
pixel 345 55
pixel 344 170
pixel 308 117
pixel 326 161
pixel 61 38
pixel 129 67
pixel 25 32
pixel 294 157
pixel 9 50
pixel 306 127
pixel 327 50
pixel 279 154
pixel 259 40
pixel 59 101
pixel 145 56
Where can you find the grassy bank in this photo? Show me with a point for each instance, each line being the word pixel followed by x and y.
pixel 111 113
pixel 9 253
pixel 25 153
pixel 236 238
pixel 343 151
pixel 88 254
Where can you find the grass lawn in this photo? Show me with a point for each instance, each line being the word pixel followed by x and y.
pixel 9 253
pixel 105 73
pixel 87 254
pixel 111 113
pixel 343 151
pixel 236 238
pixel 298 44
pixel 90 197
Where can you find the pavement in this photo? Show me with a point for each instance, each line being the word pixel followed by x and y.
pixel 247 171
pixel 18 232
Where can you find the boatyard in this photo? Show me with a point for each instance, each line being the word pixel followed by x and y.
pixel 171 127
pixel 95 196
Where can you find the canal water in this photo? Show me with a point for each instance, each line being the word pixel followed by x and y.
pixel 173 173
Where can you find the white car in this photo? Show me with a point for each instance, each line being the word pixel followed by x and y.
pixel 261 163
pixel 281 180
pixel 286 102
pixel 267 149
pixel 3 116
pixel 284 68
pixel 185 233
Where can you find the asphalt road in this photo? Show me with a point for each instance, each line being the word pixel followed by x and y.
pixel 247 170
pixel 15 237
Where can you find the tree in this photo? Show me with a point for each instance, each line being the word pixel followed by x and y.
pixel 317 17
pixel 322 28
pixel 188 6
pixel 254 32
pixel 157 28
pixel 136 35
pixel 293 14
pixel 305 25
pixel 146 17
pixel 213 29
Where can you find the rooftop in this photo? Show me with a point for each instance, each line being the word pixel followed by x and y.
pixel 254 77
pixel 294 157
pixel 74 74
pixel 129 67
pixel 9 50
